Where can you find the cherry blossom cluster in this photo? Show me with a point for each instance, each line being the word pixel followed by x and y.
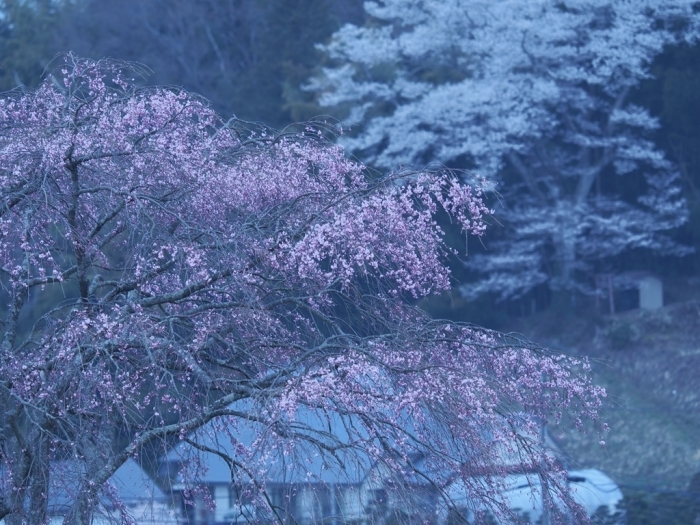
pixel 165 273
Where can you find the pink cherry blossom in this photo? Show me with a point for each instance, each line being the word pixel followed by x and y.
pixel 166 274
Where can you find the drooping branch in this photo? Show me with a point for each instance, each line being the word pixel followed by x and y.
pixel 237 280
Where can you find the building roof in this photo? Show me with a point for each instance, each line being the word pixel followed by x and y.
pixel 325 447
pixel 316 447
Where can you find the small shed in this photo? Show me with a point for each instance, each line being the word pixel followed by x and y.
pixel 629 291
pixel 651 293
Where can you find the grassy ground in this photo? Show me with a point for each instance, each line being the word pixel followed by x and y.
pixel 649 362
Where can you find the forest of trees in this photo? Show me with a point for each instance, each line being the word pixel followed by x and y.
pixel 247 57
pixel 260 61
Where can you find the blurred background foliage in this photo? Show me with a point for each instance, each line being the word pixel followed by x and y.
pixel 646 505
pixel 673 96
pixel 249 57
pixel 28 31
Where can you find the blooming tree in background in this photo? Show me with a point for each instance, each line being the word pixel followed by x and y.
pixel 163 270
pixel 535 93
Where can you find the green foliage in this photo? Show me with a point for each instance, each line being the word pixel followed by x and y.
pixel 658 508
pixel 673 95
pixel 623 333
pixel 249 57
pixel 26 40
pixel 289 57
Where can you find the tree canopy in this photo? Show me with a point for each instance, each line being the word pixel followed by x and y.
pixel 180 270
pixel 535 95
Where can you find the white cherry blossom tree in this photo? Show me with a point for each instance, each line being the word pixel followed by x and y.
pixel 535 95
